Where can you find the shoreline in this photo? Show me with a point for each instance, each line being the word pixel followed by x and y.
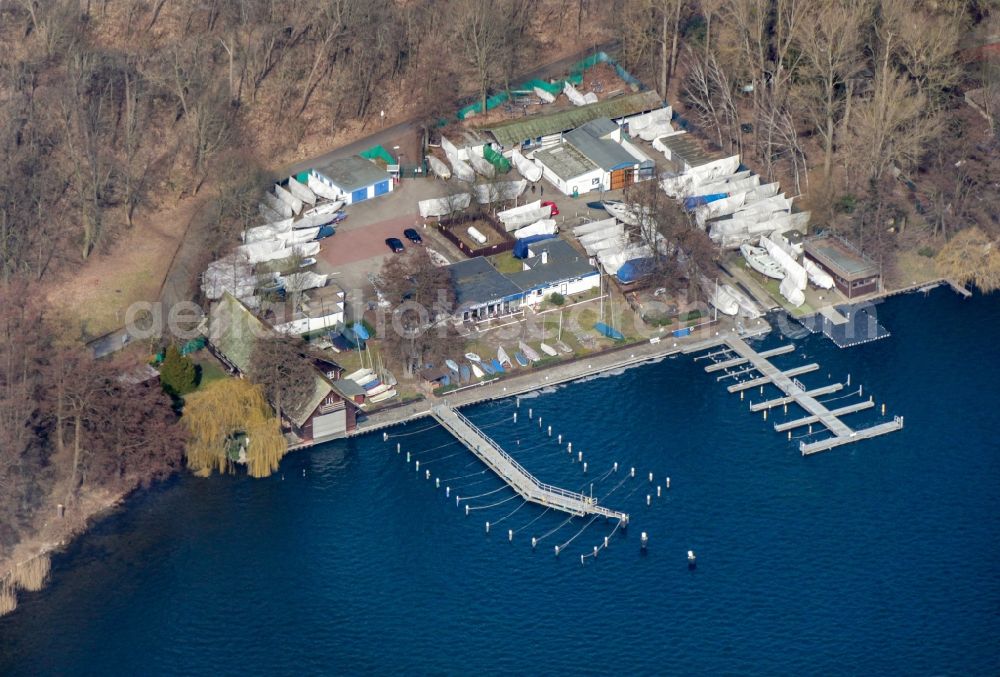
pixel 552 375
pixel 558 373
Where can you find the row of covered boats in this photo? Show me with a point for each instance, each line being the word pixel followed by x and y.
pixel 474 367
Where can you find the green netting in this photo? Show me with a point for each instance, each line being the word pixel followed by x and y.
pixel 550 87
pixel 575 78
pixel 501 163
pixel 491 103
pixel 378 153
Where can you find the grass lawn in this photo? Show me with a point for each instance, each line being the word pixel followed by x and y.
pixel 209 368
pixel 771 285
pixel 506 263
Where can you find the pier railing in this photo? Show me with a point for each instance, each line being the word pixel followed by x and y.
pixel 525 475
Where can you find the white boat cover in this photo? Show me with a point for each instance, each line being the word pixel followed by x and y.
pixel 652 125
pixel 304 280
pixel 301 191
pixel 713 170
pixel 324 208
pixel 525 167
pixel 794 296
pixel 442 206
pixel 545 96
pixel 461 169
pixel 450 151
pixel 540 227
pixel 482 166
pixel 747 306
pixel 269 215
pixel 574 95
pixel 280 206
pixel 761 192
pixel 255 252
pixel 615 242
pixel 267 231
pixel 321 189
pixel 439 168
pixel 232 273
pixel 763 209
pixel 712 210
pixel 526 214
pixel 594 226
pixel 719 297
pixel 312 221
pixel 725 186
pixel 606 232
pixel 499 191
pixel 793 271
pixel 289 199
pixel 301 235
pixel 817 275
pixel 612 260
pixel 732 232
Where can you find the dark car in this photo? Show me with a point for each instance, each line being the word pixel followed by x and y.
pixel 395 244
pixel 413 236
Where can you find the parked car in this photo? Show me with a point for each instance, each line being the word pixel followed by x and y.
pixel 395 245
pixel 413 236
pixel 550 203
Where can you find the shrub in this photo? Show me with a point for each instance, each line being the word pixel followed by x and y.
pixel 178 375
pixel 926 251
pixel 557 298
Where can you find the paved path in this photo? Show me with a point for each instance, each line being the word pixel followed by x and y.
pixel 532 379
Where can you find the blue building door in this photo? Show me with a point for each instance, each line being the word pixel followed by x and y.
pixel 359 195
pixel 381 188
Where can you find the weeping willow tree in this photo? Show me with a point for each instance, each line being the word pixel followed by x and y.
pixel 223 413
pixel 971 256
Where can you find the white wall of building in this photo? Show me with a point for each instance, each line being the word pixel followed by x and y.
pixel 566 288
pixel 585 183
pixel 348 198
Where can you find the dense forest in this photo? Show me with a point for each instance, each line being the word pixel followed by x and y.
pixel 113 108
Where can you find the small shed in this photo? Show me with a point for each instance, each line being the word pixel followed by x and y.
pixel 853 273
pixel 354 178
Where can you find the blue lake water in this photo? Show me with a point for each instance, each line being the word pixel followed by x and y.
pixel 882 556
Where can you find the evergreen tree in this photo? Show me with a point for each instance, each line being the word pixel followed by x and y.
pixel 177 373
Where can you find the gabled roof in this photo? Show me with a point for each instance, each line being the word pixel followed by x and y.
pixel 605 153
pixel 352 173
pixel 477 282
pixel 562 263
pixel 233 330
pixel 514 132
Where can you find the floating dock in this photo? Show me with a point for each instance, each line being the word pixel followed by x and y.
pixel 740 353
pixel 513 474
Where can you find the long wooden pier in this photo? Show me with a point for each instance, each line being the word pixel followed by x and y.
pixel 795 392
pixel 512 473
